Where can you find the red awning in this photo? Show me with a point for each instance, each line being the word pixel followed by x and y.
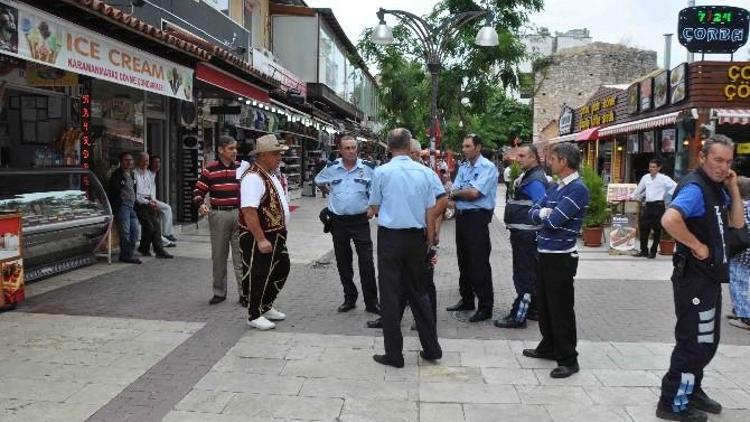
pixel 212 75
pixel 591 134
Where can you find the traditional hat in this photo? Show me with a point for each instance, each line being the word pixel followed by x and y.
pixel 268 143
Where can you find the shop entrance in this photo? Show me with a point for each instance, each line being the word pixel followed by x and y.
pixel 156 139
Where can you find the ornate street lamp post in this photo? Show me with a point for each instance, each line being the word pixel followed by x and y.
pixel 433 40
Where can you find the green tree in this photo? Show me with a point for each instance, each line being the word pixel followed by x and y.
pixel 478 73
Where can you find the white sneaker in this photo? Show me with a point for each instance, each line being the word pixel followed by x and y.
pixel 275 315
pixel 261 324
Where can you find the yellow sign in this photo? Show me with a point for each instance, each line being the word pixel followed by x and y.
pixel 602 108
pixel 743 148
pixel 739 86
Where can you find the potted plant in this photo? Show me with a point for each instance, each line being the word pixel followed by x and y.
pixel 596 214
pixel 666 243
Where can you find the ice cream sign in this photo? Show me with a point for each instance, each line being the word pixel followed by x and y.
pixel 37 36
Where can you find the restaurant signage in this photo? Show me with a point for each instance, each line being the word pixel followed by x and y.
pixel 36 36
pixel 566 120
pixel 713 29
pixel 598 112
pixel 738 87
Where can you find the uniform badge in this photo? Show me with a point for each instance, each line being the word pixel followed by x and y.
pixel 696 301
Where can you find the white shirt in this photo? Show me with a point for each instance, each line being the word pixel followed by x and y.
pixel 252 190
pixel 655 188
pixel 146 185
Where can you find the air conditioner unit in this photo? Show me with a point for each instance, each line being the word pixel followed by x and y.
pixel 188 114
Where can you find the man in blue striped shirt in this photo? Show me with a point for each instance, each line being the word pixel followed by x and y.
pixel 560 213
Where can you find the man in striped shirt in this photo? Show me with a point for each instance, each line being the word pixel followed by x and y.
pixel 219 180
pixel 560 213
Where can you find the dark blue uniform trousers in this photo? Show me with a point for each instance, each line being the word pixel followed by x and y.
pixel 697 302
pixel 525 266
pixel 473 248
pixel 401 272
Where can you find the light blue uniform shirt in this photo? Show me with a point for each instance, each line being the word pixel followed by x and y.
pixel 481 176
pixel 404 190
pixel 349 188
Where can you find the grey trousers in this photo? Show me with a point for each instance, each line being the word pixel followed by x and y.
pixel 225 230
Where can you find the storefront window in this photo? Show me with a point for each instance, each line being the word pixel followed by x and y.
pixel 332 68
pixel 116 125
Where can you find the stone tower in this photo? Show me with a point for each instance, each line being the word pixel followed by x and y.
pixel 572 75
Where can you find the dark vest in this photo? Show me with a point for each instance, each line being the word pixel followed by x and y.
pixel 517 209
pixel 711 229
pixel 270 209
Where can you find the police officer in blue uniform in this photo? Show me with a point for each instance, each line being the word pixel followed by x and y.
pixel 348 180
pixel 529 189
pixel 706 203
pixel 402 196
pixel 475 191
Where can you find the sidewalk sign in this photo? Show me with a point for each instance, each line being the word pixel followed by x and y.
pixel 11 259
pixel 622 236
pixel 617 192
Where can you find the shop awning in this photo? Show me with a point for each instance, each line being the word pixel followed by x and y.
pixel 591 134
pixel 639 125
pixel 219 78
pixel 565 138
pixel 732 116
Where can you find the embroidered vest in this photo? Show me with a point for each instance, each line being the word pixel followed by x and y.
pixel 270 209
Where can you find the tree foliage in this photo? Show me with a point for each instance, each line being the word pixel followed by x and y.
pixel 481 74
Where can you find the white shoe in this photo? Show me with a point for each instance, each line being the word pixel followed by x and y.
pixel 261 324
pixel 275 315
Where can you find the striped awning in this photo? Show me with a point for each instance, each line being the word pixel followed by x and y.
pixel 565 138
pixel 639 125
pixel 732 116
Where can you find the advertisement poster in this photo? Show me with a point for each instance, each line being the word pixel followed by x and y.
pixel 633 92
pixel 677 83
pixel 633 144
pixel 39 37
pixel 648 141
pixel 622 236
pixel 668 140
pixel 617 192
pixel 645 97
pixel 661 89
pixel 11 264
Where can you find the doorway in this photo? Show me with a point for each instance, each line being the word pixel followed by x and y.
pixel 157 145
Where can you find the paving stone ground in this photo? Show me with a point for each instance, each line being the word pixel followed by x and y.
pixel 182 360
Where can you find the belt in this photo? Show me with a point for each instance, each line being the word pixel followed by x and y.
pixel 225 208
pixel 409 230
pixel 352 217
pixel 471 211
pixel 655 203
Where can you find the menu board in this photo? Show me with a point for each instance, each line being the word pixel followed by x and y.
pixel 11 262
pixel 645 97
pixel 648 141
pixel 617 192
pixel 661 89
pixel 633 92
pixel 633 144
pixel 668 140
pixel 622 236
pixel 677 83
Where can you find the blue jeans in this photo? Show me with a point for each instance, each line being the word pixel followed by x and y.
pixel 739 287
pixel 128 222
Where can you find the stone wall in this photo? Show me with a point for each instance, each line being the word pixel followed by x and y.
pixel 572 75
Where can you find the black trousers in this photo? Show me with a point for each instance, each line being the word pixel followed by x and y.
pixel 473 249
pixel 556 301
pixel 525 266
pixel 697 302
pixel 263 274
pixel 651 221
pixel 150 228
pixel 344 230
pixel 429 277
pixel 401 271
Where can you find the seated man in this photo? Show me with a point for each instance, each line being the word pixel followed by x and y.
pixel 147 210
pixel 165 211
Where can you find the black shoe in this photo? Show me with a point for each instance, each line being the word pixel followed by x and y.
pixel 170 245
pixel 373 309
pixel 164 255
pixel 375 323
pixel 509 323
pixel 532 353
pixel 346 307
pixel 641 254
pixel 699 400
pixel 130 260
pixel 385 360
pixel 688 415
pixel 144 252
pixel 461 306
pixel 480 316
pixel 652 255
pixel 243 301
pixel 171 238
pixel 564 371
pixel 424 356
pixel 216 299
